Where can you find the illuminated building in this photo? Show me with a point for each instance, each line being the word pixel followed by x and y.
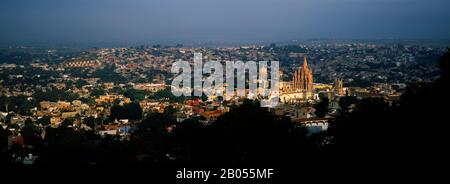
pixel 302 79
pixel 301 87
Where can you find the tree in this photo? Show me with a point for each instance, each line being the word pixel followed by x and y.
pixel 80 83
pixel 108 74
pixel 131 111
pixel 54 95
pixel 98 92
pixel 157 123
pixel 322 107
pixel 87 100
pixel 364 130
pixel 346 102
pixel 90 122
pixel 66 145
pixel 30 132
pixel 134 94
pixel 411 130
pixel 166 94
pixel 152 138
pixel 4 133
pixel 18 104
pixel 45 120
pixel 169 111
pixel 69 84
pixel 4 101
pixel 66 123
pixel 246 134
pixel 187 139
pixel 28 122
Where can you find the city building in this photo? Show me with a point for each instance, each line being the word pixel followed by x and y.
pixel 301 87
pixel 302 79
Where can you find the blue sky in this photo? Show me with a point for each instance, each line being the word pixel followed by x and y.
pixel 232 20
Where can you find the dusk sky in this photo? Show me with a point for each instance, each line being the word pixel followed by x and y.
pixel 93 21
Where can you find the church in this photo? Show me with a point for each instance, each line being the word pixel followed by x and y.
pixel 302 79
pixel 301 87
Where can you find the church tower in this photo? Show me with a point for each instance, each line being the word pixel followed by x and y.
pixel 303 78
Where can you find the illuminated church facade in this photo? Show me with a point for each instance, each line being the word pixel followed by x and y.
pixel 302 79
pixel 301 87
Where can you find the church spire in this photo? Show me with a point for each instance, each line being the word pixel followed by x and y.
pixel 302 77
pixel 305 62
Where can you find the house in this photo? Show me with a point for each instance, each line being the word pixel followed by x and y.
pixel 65 115
pixel 212 115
